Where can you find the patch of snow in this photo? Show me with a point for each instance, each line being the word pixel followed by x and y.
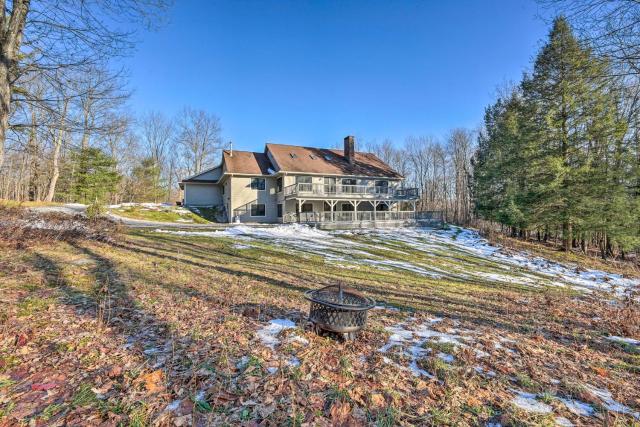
pixel 577 407
pixel 563 422
pixel 268 334
pixel 446 357
pixel 272 370
pixel 610 403
pixel 173 406
pixel 527 402
pixel 624 340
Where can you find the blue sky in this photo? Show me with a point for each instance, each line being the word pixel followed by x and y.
pixel 311 72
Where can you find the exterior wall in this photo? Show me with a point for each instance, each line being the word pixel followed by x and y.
pixel 202 194
pixel 242 196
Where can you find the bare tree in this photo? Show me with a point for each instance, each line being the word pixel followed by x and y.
pixel 199 136
pixel 39 37
pixel 157 136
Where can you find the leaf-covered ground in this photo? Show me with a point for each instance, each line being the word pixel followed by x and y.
pixel 208 329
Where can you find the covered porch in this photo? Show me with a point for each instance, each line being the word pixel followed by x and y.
pixel 361 213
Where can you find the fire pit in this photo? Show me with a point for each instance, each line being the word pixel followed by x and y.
pixel 339 310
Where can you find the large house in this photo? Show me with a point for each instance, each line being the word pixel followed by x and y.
pixel 289 183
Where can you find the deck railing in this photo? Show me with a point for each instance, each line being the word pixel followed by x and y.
pixel 349 216
pixel 340 190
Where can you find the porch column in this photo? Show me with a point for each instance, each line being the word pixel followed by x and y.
pixel 332 205
pixel 375 204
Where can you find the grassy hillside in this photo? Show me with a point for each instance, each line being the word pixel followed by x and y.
pixel 157 327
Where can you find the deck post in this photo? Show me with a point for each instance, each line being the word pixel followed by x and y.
pixel 375 205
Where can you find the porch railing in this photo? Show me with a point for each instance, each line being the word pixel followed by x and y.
pixel 340 190
pixel 349 216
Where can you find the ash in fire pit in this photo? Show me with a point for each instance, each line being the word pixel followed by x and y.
pixel 337 309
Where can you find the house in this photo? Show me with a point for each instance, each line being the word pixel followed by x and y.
pixel 289 183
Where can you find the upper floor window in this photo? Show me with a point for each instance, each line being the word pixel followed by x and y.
pixel 302 179
pixel 382 187
pixel 278 184
pixel 349 181
pixel 257 184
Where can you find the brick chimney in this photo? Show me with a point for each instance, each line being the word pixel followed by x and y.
pixel 350 149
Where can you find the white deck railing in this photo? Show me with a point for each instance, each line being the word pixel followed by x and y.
pixel 347 216
pixel 339 190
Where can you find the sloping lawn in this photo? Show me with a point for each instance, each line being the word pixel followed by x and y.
pixel 158 212
pixel 197 328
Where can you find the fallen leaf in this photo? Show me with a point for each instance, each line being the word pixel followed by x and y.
pixel 377 401
pixel 340 413
pixel 43 386
pixel 154 381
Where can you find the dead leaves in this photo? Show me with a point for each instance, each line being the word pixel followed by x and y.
pixel 153 381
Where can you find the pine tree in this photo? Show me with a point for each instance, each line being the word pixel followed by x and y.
pixel 94 175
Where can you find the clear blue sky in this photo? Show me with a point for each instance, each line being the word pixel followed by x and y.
pixel 311 72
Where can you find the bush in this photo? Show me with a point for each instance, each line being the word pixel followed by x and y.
pixel 95 210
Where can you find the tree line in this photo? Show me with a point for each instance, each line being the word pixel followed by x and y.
pixel 559 154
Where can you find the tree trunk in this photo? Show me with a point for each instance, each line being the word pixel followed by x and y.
pixel 5 100
pixel 55 166
pixel 11 28
pixel 566 236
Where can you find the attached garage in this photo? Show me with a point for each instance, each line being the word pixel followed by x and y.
pixel 203 189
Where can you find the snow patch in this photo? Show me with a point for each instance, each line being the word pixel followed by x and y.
pixel 527 402
pixel 268 334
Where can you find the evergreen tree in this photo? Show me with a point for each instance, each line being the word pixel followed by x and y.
pixel 555 156
pixel 94 175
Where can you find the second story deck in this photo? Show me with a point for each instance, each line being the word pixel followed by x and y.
pixel 341 191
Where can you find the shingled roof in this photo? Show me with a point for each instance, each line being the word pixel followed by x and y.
pixel 293 158
pixel 246 162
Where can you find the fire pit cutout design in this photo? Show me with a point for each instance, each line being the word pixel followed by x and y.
pixel 337 309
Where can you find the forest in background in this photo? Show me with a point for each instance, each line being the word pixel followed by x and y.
pixel 556 159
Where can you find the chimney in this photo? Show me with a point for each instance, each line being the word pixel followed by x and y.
pixel 350 149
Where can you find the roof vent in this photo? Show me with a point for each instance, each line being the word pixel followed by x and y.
pixel 312 156
pixel 293 155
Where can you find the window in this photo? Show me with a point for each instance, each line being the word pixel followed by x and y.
pixel 348 185
pixel 382 187
pixel 307 207
pixel 257 184
pixel 347 207
pixel 301 179
pixel 278 184
pixel 222 189
pixel 257 209
pixel 279 210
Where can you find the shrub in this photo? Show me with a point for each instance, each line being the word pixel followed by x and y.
pixel 95 210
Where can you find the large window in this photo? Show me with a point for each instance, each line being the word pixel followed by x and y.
pixel 258 209
pixel 348 185
pixel 257 184
pixel 382 187
pixel 302 179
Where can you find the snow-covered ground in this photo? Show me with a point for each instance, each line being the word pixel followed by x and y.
pixel 455 254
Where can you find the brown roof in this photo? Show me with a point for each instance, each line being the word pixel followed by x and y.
pixel 325 161
pixel 246 162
